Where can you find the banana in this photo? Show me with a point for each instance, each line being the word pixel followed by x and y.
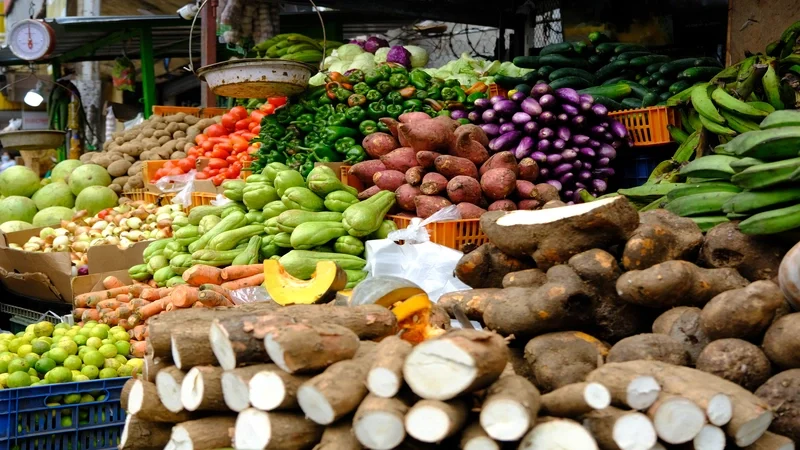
pixel 772 144
pixel 699 204
pixel 299 39
pixel 771 222
pixel 746 68
pixel 708 222
pixel 749 201
pixel 284 43
pixel 747 86
pixel 722 149
pixel 734 105
pixel 663 170
pixel 764 106
pixel 307 56
pixel 716 128
pixel 656 204
pixel 739 124
pixel 702 103
pixel 794 58
pixel 300 47
pixel 282 51
pixel 744 163
pixel 688 148
pixel 771 85
pixel 649 190
pixel 272 52
pixel 266 44
pixel 727 74
pixel 702 188
pixel 711 166
pixel 677 134
pixel 694 119
pixel 774 48
pixel 779 119
pixel 766 175
pixel 685 121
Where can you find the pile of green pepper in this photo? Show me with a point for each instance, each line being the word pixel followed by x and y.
pixel 327 123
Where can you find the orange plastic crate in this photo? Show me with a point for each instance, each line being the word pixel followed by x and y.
pixel 455 234
pixel 202 198
pixel 141 195
pixel 647 126
pixel 199 112
pixel 350 180
pixel 246 170
pixel 149 170
pixel 496 90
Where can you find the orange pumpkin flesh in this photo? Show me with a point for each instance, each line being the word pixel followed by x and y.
pixel 286 289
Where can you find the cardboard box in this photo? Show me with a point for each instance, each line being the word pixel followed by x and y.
pixel 48 276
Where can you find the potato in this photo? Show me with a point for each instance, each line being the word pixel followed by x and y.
pixel 177 155
pixel 178 134
pixel 743 313
pixel 156 119
pixel 129 135
pixel 188 146
pixel 177 117
pixel 452 166
pixel 164 153
pixel 426 159
pixel 427 205
pixel 470 211
pixel 118 168
pixel 191 120
pixel 501 160
pixel 171 128
pixel 86 157
pixel 164 139
pixel 136 168
pixel 400 159
pixel 121 180
pixel 405 195
pixel 389 180
pixel 161 133
pixel 148 132
pixel 498 183
pixel 169 146
pixel 149 143
pixel 129 158
pixel 782 342
pixel 503 205
pixel 114 157
pixel 464 189
pixel 782 393
pixel 101 159
pixel 116 188
pixel 159 126
pixel 145 156
pixel 366 169
pixel 379 144
pixel 433 183
pixel 136 181
pixel 183 127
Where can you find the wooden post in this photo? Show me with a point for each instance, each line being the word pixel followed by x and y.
pixel 208 49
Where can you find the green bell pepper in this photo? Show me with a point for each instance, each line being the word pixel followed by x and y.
pixel 398 80
pixel 421 94
pixel 394 97
pixel 383 87
pixel 339 201
pixel 349 245
pixel 355 154
pixel 372 77
pixel 332 134
pixel 434 92
pixel 373 96
pixel 282 116
pixel 361 88
pixel 419 78
pixel 397 68
pixel 368 127
pixel 475 96
pixel 344 144
pixel 413 104
pixel 341 108
pixel 383 128
pixel 305 122
pixel 323 112
pixel 355 76
pixel 337 119
pixel 394 111
pixel 323 153
pixel 452 83
pixel 376 110
pixel 342 94
pixel 356 114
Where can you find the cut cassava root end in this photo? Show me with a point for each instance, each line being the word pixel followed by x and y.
pixel 378 422
pixel 236 385
pixel 434 420
pixel 710 437
pixel 168 384
pixel 141 435
pixel 474 437
pixel 256 429
pixel 385 377
pixel 307 348
pixel 201 389
pixel 562 434
pixel 623 430
pixel 510 408
pixel 272 388
pixel 339 436
pixel 143 400
pixel 576 399
pixel 202 434
pixel 676 419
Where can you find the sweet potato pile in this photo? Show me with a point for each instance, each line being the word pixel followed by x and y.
pixel 434 163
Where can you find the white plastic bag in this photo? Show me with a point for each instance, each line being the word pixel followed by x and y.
pixel 429 265
pixel 181 185
pixel 221 200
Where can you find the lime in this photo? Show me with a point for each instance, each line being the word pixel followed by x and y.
pixel 29 328
pixel 100 397
pixel 44 365
pixel 98 332
pixel 80 340
pixel 7 357
pixel 20 334
pixel 107 341
pixel 40 346
pixel 71 333
pixel 18 365
pixel 58 355
pixel 82 351
pixel 125 371
pixel 4 379
pixel 94 342
pixel 93 358
pixel 59 375
pixel 66 421
pixel 89 324
pixel 31 358
pixel 108 350
pixel 43 329
pixel 24 350
pixel 3 346
pixel 104 326
pixel 70 346
pixel 32 372
pixel 62 326
pixel 80 377
pixel 45 354
pixel 18 379
pixel 111 363
pixel 83 414
pixel 59 332
pixel 75 372
pixel 87 398
pixel 108 373
pixel 123 347
pixel 54 400
pixel 85 332
pixel 6 336
pixel 28 337
pixel 71 399
pixel 121 359
pixel 90 372
pixel 34 379
pixel 116 329
pixel 3 366
pixel 14 345
pixel 73 362
pixel 136 362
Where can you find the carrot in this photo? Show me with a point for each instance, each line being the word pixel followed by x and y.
pixel 155 294
pixel 236 272
pixel 125 324
pixel 124 311
pixel 90 314
pixel 213 298
pixel 134 320
pixel 138 303
pixel 111 318
pixel 202 274
pixel 124 298
pixel 104 311
pixel 219 289
pixel 251 281
pixel 184 296
pixel 138 348
pixel 111 304
pixel 198 305
pixel 152 284
pixel 145 312
pixel 138 332
pixel 112 282
pixel 92 298
pixel 77 313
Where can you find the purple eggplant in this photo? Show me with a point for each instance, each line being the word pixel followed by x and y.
pixel 603 162
pixel 567 179
pixel 578 121
pixel 506 127
pixel 538 156
pixel 584 175
pixel 579 139
pixel 594 144
pixel 586 98
pixel 599 110
pixel 603 124
pixel 564 133
pixel 587 152
pixel 491 129
pixel 569 154
pixel 502 120
pixel 531 128
pixel 547 118
pixel 562 169
pixel 619 144
pixel 585 105
pixel 597 131
pixel 607 151
pixel 505 107
pixel 474 116
pixel 569 195
pixel 482 103
pixel 518 96
pixel 543 145
pixel 603 172
pixel 548 101
pixel 544 172
pixel 608 136
pixel 563 118
pixel 521 118
pixel 576 197
pixel 570 110
pixel 554 159
pixel 496 99
pixel 568 95
pixel 599 185
pixel 524 148
pixel 506 141
pixel 579 185
pixel 541 89
pixel 546 133
pixel 559 144
pixel 531 106
pixel 489 116
pixel 577 165
pixel 587 166
pixel 458 114
pixel 556 184
pixel 618 129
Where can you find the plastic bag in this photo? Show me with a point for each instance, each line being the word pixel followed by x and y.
pixel 221 200
pixel 250 295
pixel 181 185
pixel 429 265
pixel 123 75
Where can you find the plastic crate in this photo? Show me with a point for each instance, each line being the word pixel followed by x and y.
pixel 27 423
pixel 205 113
pixel 202 198
pixel 246 170
pixel 496 90
pixel 150 168
pixel 141 195
pixel 350 180
pixel 22 317
pixel 647 126
pixel 455 234
pixel 636 170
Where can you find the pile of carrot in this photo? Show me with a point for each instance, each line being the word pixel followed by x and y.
pixel 130 306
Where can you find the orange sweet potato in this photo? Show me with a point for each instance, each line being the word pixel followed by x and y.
pixel 426 159
pixel 465 147
pixel 389 180
pixel 427 205
pixel 503 205
pixel 366 169
pixel 369 192
pixel 414 175
pixel 528 170
pixel 433 183
pixel 501 160
pixel 379 144
pixel 498 183
pixel 452 166
pixel 526 190
pixel 475 133
pixel 405 195
pixel 470 211
pixel 464 189
pixel 401 159
pixel 427 135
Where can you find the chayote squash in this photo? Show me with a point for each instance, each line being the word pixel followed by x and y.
pixel 287 179
pixel 303 198
pixel 387 226
pixel 289 220
pixel 271 226
pixel 302 263
pixel 156 263
pixel 257 178
pixel 274 209
pixel 180 262
pixel 198 212
pixel 349 245
pixel 255 196
pixel 283 240
pixel 268 247
pixel 312 234
pixel 228 239
pixel 250 254
pixel 172 249
pixel 272 170
pixel 139 272
pixel 175 281
pixel 354 277
pixel 322 183
pixel 365 217
pixel 339 201
pixel 162 275
pixel 208 222
pixel 155 247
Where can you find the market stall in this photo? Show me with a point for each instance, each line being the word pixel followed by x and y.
pixel 385 255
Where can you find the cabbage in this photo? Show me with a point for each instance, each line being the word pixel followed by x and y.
pixel 318 79
pixel 339 66
pixel 330 60
pixel 510 70
pixel 380 55
pixel 398 54
pixel 364 62
pixel 419 56
pixel 348 52
pixel 374 43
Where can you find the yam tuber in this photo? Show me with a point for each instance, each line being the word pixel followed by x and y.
pixel 683 324
pixel 486 266
pixel 661 236
pixel 782 342
pixel 755 257
pixel 473 301
pixel 782 393
pixel 562 358
pixel 651 347
pixel 737 361
pixel 743 313
pixel 525 278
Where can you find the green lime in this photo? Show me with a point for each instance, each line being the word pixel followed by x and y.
pixel 32 372
pixel 121 359
pixel 123 347
pixel 59 375
pixel 18 379
pixel 71 399
pixel 6 336
pixel 30 328
pixel 58 332
pixel 3 346
pixel 58 354
pixel 70 346
pixel 40 346
pixel 136 362
pixel 125 371
pixel 85 332
pixel 111 363
pixel 90 372
pixel 108 350
pixel 14 345
pixel 44 365
pixel 80 377
pixel 83 414
pixel 43 329
pixel 89 324
pixel 18 365
pixel 104 326
pixel 98 332
pixel 66 421
pixel 4 379
pixel 100 397
pixel 62 326
pixel 80 340
pixel 108 373
pixel 107 341
pixel 24 350
pixel 45 354
pixel 71 333
pixel 8 357
pixel 31 358
pixel 94 342
pixel 86 398
pixel 34 379
pixel 93 358
pixel 73 362
pixel 3 366
pixel 82 351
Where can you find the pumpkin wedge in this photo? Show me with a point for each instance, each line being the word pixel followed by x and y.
pixel 286 289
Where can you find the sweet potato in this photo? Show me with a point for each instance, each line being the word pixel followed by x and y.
pixel 661 236
pixel 553 204
pixel 743 313
pixel 427 205
pixel 400 159
pixel 426 159
pixel 392 124
pixel 498 184
pixel 501 160
pixel 405 195
pixel 486 266
pixel 652 347
pixel 547 192
pixel 465 147
pixel 475 133
pixel 365 170
pixel 379 144
pixel 755 257
pixel 464 189
pixel 528 170
pixel 427 135
pixel 503 205
pixel 782 342
pixel 414 116
pixel 562 358
pixel 528 204
pixel 526 190
pixel 433 183
pixel 469 210
pixel 452 166
pixel 782 393
pixel 414 175
pixel 389 180
pixel 448 122
pixel 368 192
pixel 737 361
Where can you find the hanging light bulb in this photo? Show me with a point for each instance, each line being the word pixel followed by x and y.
pixel 34 98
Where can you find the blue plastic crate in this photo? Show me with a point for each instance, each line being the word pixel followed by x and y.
pixel 636 170
pixel 27 423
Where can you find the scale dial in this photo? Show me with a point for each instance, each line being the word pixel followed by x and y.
pixel 31 39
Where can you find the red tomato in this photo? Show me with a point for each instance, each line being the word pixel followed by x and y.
pixel 256 129
pixel 175 171
pixel 216 163
pixel 249 136
pixel 242 124
pixel 102 214
pixel 186 164
pixel 239 111
pixel 252 125
pixel 201 176
pixel 218 179
pixel 169 164
pixel 257 115
pixel 200 138
pixel 267 109
pixel 277 101
pixel 215 130
pixel 231 159
pixel 207 146
pixel 228 121
pixel 194 151
pixel 237 166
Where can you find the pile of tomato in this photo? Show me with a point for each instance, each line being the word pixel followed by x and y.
pixel 225 145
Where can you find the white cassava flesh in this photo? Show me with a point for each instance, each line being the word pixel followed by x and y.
pixel 719 409
pixel 378 422
pixel 576 399
pixel 550 215
pixel 772 441
pixel 222 347
pixel 510 407
pixel 642 392
pixel 561 434
pixel 168 385
pixel 207 433
pixel 620 429
pixel 383 382
pixel 474 437
pixel 252 430
pixel 434 420
pixel 236 392
pixel 275 389
pixel 138 434
pixel 385 377
pixel 709 438
pixel 256 429
pixel 676 419
pixel 143 400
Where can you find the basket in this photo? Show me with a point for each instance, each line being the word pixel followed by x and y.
pixel 455 234
pixel 647 126
pixel 203 113
pixel 27 423
pixel 141 195
pixel 350 180
pixel 246 170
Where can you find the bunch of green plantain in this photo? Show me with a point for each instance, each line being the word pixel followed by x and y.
pixel 295 47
